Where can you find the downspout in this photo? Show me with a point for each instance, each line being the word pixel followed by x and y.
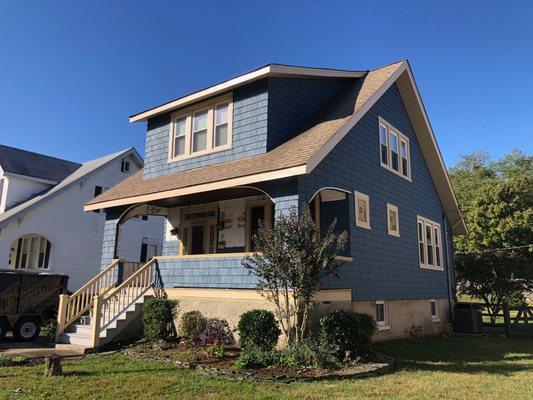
pixel 448 269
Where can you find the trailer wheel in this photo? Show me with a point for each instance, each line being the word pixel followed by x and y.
pixel 3 328
pixel 27 329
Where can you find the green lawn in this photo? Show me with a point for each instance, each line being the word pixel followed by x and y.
pixel 458 368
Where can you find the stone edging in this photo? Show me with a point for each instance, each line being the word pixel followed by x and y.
pixel 383 364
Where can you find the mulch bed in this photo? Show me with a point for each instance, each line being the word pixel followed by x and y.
pixel 194 358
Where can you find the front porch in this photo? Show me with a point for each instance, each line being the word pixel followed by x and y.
pixel 208 234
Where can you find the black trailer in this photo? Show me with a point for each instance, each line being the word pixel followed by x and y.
pixel 26 300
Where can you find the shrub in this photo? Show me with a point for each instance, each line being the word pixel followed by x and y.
pixel 258 329
pixel 215 351
pixel 216 331
pixel 348 331
pixel 253 357
pixel 312 354
pixel 192 326
pixel 158 317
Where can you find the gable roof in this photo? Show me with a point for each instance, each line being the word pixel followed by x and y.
pixel 85 170
pixel 301 154
pixel 15 161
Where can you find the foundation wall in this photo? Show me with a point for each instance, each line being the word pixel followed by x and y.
pixel 230 304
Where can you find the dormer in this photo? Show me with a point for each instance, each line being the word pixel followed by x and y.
pixel 242 117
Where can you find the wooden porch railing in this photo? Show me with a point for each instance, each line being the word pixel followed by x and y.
pixel 107 307
pixel 74 306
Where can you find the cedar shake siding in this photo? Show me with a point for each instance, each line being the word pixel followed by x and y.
pixel 265 114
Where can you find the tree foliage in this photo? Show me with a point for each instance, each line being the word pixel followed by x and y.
pixel 496 198
pixel 290 261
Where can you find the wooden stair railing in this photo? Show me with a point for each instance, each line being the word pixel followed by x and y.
pixel 107 307
pixel 74 306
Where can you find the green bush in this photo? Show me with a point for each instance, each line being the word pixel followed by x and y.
pixel 253 358
pixel 158 318
pixel 192 326
pixel 258 329
pixel 312 354
pixel 348 331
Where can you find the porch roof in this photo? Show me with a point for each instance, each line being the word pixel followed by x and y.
pixel 303 153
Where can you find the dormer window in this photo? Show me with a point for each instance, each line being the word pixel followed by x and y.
pixel 201 129
pixel 394 150
pixel 125 166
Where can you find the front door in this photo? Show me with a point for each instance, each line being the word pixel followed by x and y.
pixel 197 239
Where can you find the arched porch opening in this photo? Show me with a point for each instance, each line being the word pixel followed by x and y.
pixel 330 204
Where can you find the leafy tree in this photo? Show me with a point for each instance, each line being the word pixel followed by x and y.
pixel 290 260
pixel 494 260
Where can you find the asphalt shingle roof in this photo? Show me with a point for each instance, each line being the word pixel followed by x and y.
pixel 27 163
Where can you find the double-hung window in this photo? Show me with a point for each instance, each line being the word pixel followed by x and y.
pixel 201 129
pixel 394 150
pixel 429 244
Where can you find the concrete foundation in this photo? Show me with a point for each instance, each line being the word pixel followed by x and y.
pixel 230 304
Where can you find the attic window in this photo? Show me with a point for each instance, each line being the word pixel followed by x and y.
pixel 201 129
pixel 125 166
pixel 394 150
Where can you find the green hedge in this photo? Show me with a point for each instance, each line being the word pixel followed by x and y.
pixel 348 331
pixel 158 318
pixel 258 329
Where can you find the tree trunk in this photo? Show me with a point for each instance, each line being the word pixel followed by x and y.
pixel 52 366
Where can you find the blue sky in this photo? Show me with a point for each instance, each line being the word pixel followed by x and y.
pixel 72 72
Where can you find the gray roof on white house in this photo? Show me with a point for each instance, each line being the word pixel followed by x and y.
pixel 35 165
pixel 83 171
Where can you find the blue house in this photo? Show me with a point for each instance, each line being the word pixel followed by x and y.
pixel 352 145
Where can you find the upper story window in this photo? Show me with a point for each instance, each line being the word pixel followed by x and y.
pixel 429 244
pixel 394 150
pixel 201 129
pixel 125 166
pixel 362 210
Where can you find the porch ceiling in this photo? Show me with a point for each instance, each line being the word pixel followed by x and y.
pixel 206 197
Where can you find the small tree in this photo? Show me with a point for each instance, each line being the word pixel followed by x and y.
pixel 290 260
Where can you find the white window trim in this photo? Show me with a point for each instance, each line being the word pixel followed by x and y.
pixel 188 113
pixel 401 137
pixel 434 318
pixel 391 207
pixel 433 225
pixel 383 325
pixel 123 163
pixel 362 196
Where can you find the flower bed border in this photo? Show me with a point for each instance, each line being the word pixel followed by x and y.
pixel 381 364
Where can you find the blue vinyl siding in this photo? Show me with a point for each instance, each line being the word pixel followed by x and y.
pixel 384 266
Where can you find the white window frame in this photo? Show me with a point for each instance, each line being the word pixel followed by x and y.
pixel 31 263
pixel 391 130
pixel 382 325
pixel 434 228
pixel 123 163
pixel 434 317
pixel 361 196
pixel 188 114
pixel 392 232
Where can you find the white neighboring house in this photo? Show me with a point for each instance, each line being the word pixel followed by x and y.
pixel 43 227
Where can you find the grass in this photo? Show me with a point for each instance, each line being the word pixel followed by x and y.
pixel 457 368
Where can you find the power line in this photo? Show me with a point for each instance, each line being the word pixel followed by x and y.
pixel 496 250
